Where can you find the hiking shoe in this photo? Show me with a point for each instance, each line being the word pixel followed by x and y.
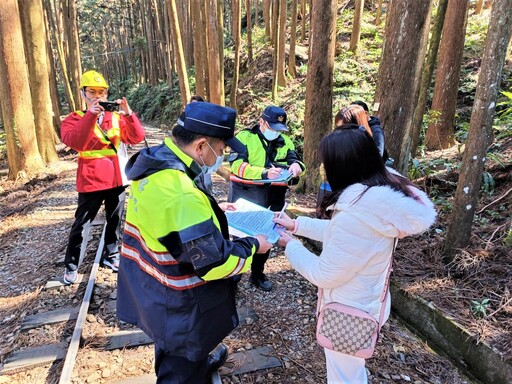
pixel 261 282
pixel 70 277
pixel 111 262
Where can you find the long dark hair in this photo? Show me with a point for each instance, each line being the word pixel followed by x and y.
pixel 349 156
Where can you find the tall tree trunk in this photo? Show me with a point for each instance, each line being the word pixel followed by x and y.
pixel 249 29
pixel 198 31
pixel 168 49
pixel 15 100
pixel 59 42
pixel 72 47
pixel 275 35
pixel 52 75
pixel 178 51
pixel 220 26
pixel 407 25
pixel 304 12
pixel 319 83
pixel 274 20
pixel 214 66
pixel 379 13
pixel 236 37
pixel 479 6
pixel 426 75
pixel 441 131
pixel 293 38
pixel 356 26
pixel 205 44
pixel 34 34
pixel 267 7
pixel 480 128
pixel 281 45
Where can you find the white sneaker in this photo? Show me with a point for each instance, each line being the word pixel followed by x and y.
pixel 111 262
pixel 70 277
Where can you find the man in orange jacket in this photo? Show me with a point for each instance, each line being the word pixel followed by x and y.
pixel 97 135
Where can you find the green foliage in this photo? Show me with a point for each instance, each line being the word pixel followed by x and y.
pixel 507 241
pixel 487 183
pixel 156 103
pixel 479 308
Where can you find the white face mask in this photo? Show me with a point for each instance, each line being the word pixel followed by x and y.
pixel 212 168
pixel 270 134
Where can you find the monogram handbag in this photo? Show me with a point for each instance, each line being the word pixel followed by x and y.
pixel 350 330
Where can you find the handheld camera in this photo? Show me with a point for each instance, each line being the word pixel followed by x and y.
pixel 109 106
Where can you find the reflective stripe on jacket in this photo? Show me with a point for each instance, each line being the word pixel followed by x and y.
pixel 174 278
pixel 98 163
pixel 262 154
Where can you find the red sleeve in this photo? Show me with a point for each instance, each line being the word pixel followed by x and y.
pixel 131 129
pixel 77 131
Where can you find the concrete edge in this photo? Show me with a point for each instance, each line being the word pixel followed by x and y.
pixel 476 358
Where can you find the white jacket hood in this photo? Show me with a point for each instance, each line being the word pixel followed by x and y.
pixel 388 211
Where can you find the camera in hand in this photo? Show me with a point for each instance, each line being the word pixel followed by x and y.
pixel 109 106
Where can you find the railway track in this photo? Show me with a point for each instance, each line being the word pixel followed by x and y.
pixel 82 317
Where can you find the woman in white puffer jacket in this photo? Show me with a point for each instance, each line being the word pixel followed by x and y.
pixel 368 208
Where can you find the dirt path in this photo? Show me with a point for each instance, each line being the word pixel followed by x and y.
pixel 35 221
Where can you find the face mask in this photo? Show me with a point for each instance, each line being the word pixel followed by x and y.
pixel 271 134
pixel 212 168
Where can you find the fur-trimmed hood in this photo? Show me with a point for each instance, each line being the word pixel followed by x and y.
pixel 388 211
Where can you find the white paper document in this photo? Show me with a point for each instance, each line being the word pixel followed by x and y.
pixel 253 219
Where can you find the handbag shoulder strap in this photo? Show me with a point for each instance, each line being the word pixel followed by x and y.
pixel 384 291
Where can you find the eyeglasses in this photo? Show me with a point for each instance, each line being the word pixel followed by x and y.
pixel 97 92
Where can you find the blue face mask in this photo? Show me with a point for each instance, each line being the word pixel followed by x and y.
pixel 212 168
pixel 270 134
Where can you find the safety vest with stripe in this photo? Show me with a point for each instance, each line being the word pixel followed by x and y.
pixel 174 278
pixel 112 138
pixel 256 160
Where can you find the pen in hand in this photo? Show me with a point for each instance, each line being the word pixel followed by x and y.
pixel 281 213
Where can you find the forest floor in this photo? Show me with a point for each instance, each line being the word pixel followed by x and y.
pixel 35 219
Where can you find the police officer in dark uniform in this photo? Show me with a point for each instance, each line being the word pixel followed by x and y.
pixel 175 275
pixel 267 153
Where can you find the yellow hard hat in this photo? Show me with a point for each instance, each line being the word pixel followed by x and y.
pixel 92 79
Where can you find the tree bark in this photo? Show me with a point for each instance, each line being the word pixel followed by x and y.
pixel 34 34
pixel 480 129
pixel 249 29
pixel 236 37
pixel 426 75
pixel 216 87
pixel 356 26
pixel 379 13
pixel 180 58
pixel 441 131
pixel 479 6
pixel 198 47
pixel 72 47
pixel 267 5
pixel 281 45
pixel 293 39
pixel 15 100
pixel 319 83
pixel 304 12
pixel 399 75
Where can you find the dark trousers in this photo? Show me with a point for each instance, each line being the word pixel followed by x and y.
pixel 178 370
pixel 268 196
pixel 89 204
